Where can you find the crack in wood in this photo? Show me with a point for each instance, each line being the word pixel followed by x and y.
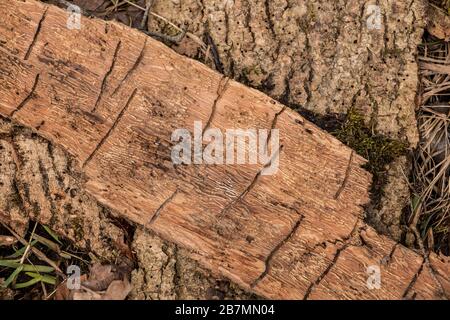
pixel 107 74
pixel 413 280
pixel 221 88
pixel 347 174
pixel 274 121
pixel 162 206
pixel 312 249
pixel 274 124
pixel 36 34
pixel 388 258
pixel 326 271
pixel 275 250
pixel 250 186
pixel 133 68
pixel 28 97
pixel 427 262
pixel 434 274
pixel 105 137
pixel 346 244
pixel 255 179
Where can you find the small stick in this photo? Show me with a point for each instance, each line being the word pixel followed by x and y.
pixel 28 245
pixel 145 19
pixel 175 39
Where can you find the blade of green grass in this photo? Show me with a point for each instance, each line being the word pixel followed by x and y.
pixel 12 277
pixel 42 277
pixel 415 201
pixel 27 284
pixel 26 267
pixel 52 234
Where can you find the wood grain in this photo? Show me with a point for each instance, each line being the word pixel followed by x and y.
pixel 112 97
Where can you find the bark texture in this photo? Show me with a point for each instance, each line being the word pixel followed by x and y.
pixel 297 234
pixel 320 55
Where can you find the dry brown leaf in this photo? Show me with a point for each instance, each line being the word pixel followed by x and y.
pixel 118 290
pixel 100 277
pixel 105 282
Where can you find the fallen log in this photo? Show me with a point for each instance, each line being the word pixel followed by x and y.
pixel 112 97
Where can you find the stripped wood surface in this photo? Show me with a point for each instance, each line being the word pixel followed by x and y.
pixel 112 97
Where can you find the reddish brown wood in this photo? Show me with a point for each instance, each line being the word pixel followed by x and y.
pixel 112 97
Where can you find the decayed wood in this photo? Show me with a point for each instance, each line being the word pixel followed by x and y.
pixel 112 97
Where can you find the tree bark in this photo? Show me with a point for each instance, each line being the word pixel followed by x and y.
pixel 111 97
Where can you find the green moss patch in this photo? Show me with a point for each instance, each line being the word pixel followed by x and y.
pixel 377 149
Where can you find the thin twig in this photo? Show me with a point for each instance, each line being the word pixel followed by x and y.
pixel 25 254
pixel 145 19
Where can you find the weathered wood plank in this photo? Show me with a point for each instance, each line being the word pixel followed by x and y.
pixel 112 98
